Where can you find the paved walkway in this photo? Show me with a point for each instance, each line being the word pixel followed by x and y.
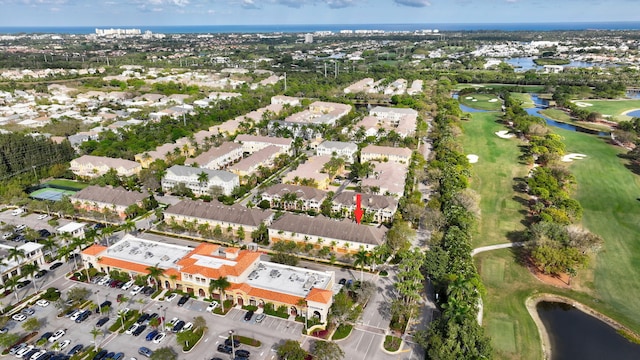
pixel 476 251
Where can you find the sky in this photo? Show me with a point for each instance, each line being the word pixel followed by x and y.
pixel 266 12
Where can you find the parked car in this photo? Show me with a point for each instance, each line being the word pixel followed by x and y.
pixel 127 285
pixel 225 349
pixel 22 352
pixel 135 290
pixel 118 356
pixel 98 226
pixel 159 337
pixel 178 326
pixel 57 335
pixel 243 353
pixel 104 281
pixel 139 330
pixel 28 311
pixel 63 345
pixel 142 318
pixel 101 355
pixel 145 352
pixel 236 342
pixel 110 355
pixel 248 315
pixel 18 211
pixel 152 334
pixel 212 306
pixel 132 328
pixel 20 228
pixel 148 290
pixel 183 300
pixel 17 348
pixel 44 233
pixel 74 314
pixel 260 317
pixel 171 297
pixel 42 303
pixel 188 326
pixel 104 304
pixel 55 266
pixel 76 349
pixel 102 321
pixel 23 283
pixel 37 354
pixel 19 317
pixel 45 336
pixel 42 216
pixel 85 314
pixel 342 281
pixel 4 330
pixel 41 274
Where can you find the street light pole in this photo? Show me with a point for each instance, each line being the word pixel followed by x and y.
pixel 233 348
pixel 98 302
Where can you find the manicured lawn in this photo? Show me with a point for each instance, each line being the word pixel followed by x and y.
pixel 525 99
pixel 67 183
pixel 483 101
pixel 530 88
pixel 493 179
pixel 556 114
pixel 614 108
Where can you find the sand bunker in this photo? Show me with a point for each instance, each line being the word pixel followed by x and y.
pixel 583 104
pixel 493 100
pixel 472 158
pixel 573 156
pixel 474 100
pixel 504 134
pixel 469 97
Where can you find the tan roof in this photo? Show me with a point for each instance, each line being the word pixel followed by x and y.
pixel 345 230
pixel 302 192
pixel 110 162
pixel 368 201
pixel 264 139
pixel 117 196
pixel 214 153
pixel 259 157
pixel 214 210
pixel 387 150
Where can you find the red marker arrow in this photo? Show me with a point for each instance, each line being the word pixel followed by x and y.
pixel 358 212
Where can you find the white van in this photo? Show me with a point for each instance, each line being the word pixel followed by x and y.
pixel 17 211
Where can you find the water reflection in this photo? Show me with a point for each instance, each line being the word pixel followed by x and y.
pixel 576 335
pixel 523 64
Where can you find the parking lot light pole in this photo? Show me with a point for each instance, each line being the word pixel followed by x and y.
pixel 98 302
pixel 233 348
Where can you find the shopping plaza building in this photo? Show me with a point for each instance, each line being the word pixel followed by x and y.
pixel 253 282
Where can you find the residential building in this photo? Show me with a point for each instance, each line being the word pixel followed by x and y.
pixel 310 171
pixel 252 281
pixel 262 158
pixel 11 266
pixel 345 150
pixel 219 157
pixel 190 176
pixel 304 198
pixel 229 218
pixel 385 153
pixel 378 207
pixel 72 229
pixel 285 100
pixel 344 236
pixel 97 198
pixel 253 143
pixel 319 113
pixel 90 166
pixel 388 178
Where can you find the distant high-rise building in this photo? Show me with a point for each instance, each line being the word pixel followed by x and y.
pixel 308 38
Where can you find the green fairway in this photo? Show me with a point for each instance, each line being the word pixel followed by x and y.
pixel 556 114
pixel 528 88
pixel 525 99
pixel 493 179
pixel 481 101
pixel 504 334
pixel 613 108
pixel 609 193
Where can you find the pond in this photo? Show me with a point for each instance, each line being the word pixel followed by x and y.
pixel 577 335
pixel 523 64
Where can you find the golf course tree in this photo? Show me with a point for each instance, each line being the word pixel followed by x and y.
pixel 290 350
pixel 449 266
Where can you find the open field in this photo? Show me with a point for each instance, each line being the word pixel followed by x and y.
pixel 493 179
pixel 481 101
pixel 525 99
pixel 530 88
pixel 614 108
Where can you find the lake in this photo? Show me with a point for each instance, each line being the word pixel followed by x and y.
pixel 577 335
pixel 523 64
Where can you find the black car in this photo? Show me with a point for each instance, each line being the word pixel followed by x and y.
pixel 30 354
pixel 215 358
pixel 20 238
pixel 148 290
pixel 105 303
pixel 76 349
pixel 101 355
pixel 46 336
pixel 83 316
pixel 55 266
pixel 342 281
pixel 142 318
pixel 44 233
pixel 110 355
pixel 151 317
pixel 47 356
pixel 178 326
pixel 225 349
pixel 243 353
pixel 139 330
pixel 41 274
pixel 23 283
pixel 248 315
pixel 99 226
pixel 102 321
pixel 183 300
pixel 236 342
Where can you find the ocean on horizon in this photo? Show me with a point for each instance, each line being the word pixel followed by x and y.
pixel 310 28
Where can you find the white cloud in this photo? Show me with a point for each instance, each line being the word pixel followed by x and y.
pixel 413 3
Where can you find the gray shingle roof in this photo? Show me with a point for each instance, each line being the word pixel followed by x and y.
pixel 369 201
pixel 323 227
pixel 117 196
pixel 303 192
pixel 180 170
pixel 214 210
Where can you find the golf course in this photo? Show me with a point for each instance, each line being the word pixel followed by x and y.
pixel 613 108
pixel 608 192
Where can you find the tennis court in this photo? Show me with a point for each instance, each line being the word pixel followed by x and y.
pixel 52 194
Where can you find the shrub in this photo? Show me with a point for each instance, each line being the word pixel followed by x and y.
pixel 52 294
pixel 342 331
pixel 392 343
pixel 247 340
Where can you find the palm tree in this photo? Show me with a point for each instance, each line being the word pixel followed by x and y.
pixel 28 270
pixel 11 284
pixel 203 178
pixel 95 332
pixel 221 284
pixel 16 254
pixel 154 273
pixel 49 245
pixel 76 243
pixel 106 233
pixel 199 323
pixel 362 258
pixel 129 226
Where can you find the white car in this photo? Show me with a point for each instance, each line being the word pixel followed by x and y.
pixel 212 306
pixel 19 317
pixel 170 324
pixel 135 290
pixel 127 285
pixel 158 338
pixel 42 302
pixel 171 297
pixel 63 345
pixel 24 350
pixel 38 354
pixel 131 329
pixel 21 227
pixel 42 216
pixel 187 327
pixel 57 335
pixel 75 315
pixel 124 311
